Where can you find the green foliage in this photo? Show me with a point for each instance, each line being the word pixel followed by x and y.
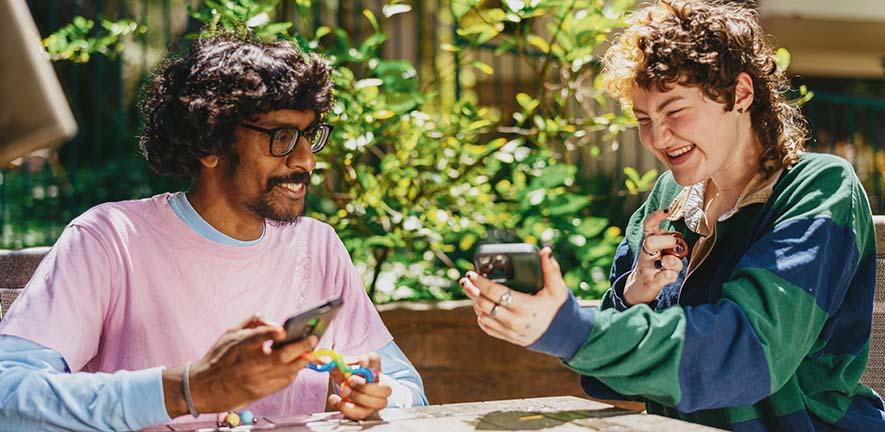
pixel 240 16
pixel 44 202
pixel 537 184
pixel 637 184
pixel 413 183
pixel 803 96
pixel 782 58
pixel 80 39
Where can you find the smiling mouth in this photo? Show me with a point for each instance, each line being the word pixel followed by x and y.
pixel 294 190
pixel 294 187
pixel 680 151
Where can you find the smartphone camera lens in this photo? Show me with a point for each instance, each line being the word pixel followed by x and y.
pixel 484 263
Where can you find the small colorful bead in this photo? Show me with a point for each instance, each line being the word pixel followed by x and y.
pixel 232 419
pixel 247 417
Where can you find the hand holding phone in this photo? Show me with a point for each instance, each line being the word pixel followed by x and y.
pixel 311 322
pixel 515 265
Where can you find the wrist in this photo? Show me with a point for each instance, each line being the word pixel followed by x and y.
pixel 173 392
pixel 629 300
pixel 629 291
pixel 633 295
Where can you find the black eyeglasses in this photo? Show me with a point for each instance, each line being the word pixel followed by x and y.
pixel 284 139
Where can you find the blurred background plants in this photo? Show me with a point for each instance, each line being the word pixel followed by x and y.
pixel 420 171
pixel 458 122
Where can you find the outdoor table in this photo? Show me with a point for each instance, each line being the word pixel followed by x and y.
pixel 561 414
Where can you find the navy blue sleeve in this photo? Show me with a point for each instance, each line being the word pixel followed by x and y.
pixel 568 331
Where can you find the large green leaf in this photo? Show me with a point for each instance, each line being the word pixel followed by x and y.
pixel 461 7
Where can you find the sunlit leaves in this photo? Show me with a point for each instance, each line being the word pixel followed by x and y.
pixel 395 9
pixel 539 43
pixel 461 7
pixel 782 59
pixel 80 39
pixel 637 184
pixel 527 102
pixel 412 187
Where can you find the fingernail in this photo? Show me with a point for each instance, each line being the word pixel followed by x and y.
pixel 471 275
pixel 345 391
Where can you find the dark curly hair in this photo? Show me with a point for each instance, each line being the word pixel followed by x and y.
pixel 708 43
pixel 194 103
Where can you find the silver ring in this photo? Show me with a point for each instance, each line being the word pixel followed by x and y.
pixel 494 309
pixel 506 298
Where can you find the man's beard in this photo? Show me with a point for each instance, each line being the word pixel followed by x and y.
pixel 268 207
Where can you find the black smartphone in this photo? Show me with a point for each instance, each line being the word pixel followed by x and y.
pixel 515 265
pixel 310 322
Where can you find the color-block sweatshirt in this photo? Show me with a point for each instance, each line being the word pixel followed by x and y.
pixel 768 326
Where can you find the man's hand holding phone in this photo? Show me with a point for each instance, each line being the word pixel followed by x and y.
pixel 359 399
pixel 238 369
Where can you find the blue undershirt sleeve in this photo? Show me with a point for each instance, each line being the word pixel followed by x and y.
pixel 37 391
pixel 408 389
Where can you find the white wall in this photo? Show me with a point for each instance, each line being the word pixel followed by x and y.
pixel 852 10
pixel 835 38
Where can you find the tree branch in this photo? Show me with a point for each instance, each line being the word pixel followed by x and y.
pixel 379 261
pixel 546 67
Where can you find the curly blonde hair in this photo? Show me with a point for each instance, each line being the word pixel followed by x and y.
pixel 708 43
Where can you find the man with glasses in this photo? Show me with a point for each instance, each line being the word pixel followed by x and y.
pixel 116 328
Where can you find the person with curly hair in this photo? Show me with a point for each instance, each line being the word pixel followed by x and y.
pixel 147 310
pixel 742 293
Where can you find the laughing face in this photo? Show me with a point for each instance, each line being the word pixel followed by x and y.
pixel 268 186
pixel 696 137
